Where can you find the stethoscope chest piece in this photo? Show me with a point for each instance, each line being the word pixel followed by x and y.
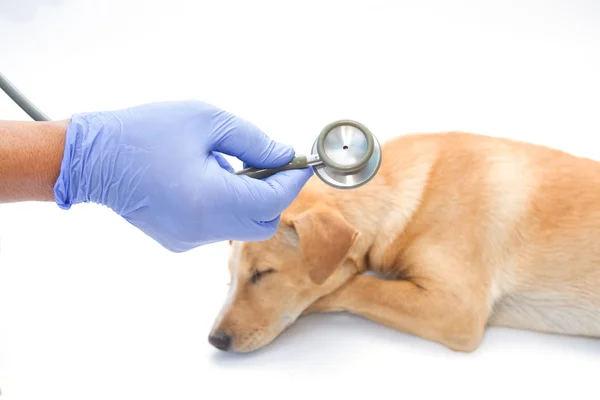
pixel 345 155
pixel 350 155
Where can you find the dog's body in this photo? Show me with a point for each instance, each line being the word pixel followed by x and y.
pixel 468 230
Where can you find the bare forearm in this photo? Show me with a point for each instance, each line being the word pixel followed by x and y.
pixel 30 158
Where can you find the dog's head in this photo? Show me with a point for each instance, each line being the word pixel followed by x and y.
pixel 274 281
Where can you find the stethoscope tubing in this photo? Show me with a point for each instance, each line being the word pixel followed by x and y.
pixel 20 99
pixel 298 162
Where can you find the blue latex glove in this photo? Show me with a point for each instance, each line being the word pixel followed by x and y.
pixel 158 165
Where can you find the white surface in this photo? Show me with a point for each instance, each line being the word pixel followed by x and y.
pixel 91 309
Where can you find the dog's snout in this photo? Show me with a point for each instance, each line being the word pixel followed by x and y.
pixel 220 340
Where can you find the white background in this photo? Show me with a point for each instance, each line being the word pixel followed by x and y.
pixel 91 309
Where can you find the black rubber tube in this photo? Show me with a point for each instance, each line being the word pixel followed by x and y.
pixel 299 162
pixel 21 100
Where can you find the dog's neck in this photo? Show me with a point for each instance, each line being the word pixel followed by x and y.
pixel 381 210
pixel 362 207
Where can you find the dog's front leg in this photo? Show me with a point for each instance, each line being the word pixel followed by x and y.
pixel 450 317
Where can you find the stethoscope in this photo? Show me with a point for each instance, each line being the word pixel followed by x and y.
pixel 346 155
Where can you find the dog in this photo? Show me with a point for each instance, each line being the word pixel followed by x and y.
pixel 462 231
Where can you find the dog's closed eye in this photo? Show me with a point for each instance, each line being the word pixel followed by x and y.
pixel 258 275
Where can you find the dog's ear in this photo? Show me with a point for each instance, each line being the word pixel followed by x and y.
pixel 325 239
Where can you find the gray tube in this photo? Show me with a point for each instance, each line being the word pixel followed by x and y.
pixel 21 100
pixel 299 162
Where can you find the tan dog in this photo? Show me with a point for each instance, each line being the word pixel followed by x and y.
pixel 468 230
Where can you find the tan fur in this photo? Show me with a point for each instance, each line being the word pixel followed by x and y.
pixel 467 230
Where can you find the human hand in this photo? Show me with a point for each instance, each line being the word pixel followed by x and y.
pixel 158 166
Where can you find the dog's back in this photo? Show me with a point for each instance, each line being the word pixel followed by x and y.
pixel 524 219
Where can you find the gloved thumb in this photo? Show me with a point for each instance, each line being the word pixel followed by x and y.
pixel 239 138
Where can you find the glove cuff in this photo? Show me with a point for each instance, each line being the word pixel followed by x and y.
pixel 72 185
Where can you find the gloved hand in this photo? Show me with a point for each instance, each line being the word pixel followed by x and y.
pixel 158 165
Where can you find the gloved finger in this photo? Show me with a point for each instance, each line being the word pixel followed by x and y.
pixel 239 138
pixel 277 192
pixel 223 163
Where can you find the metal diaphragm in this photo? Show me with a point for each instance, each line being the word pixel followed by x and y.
pixel 350 153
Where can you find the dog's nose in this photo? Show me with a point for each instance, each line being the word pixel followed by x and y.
pixel 220 340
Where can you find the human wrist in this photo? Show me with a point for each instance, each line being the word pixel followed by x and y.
pixel 53 154
pixel 31 156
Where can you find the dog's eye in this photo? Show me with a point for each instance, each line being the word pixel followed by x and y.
pixel 257 275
